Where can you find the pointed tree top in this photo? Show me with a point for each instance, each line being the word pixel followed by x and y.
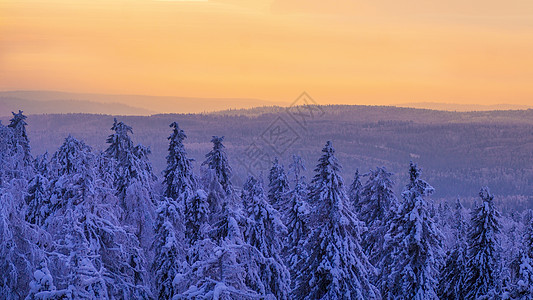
pixel 252 187
pixel 17 118
pixel 458 204
pixel 178 134
pixel 120 127
pixel 217 141
pixel 328 148
pixel 414 172
pixel 486 195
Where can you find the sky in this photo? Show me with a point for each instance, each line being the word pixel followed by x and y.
pixel 339 51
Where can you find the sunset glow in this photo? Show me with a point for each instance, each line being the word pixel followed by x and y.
pixel 356 52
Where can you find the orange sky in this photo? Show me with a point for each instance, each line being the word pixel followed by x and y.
pixel 340 51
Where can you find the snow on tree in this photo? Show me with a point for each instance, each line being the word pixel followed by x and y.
pixel 20 141
pixel 42 286
pixel 73 175
pixel 91 254
pixel 132 164
pixel 216 196
pixel 377 200
pixel 38 203
pixel 19 248
pixel 278 185
pixel 223 265
pixel 296 219
pixel 8 268
pixel 196 217
pixel 217 160
pixel 483 267
pixel 169 259
pixel 354 192
pixel 337 267
pixel 42 165
pixel 178 178
pixel 134 181
pixel 264 231
pixel 412 249
pixel 452 275
pixel 528 236
pixel 522 269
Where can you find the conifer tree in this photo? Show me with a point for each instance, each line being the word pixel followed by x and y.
pixel 482 269
pixel 90 251
pixel 296 220
pixel 131 164
pixel 217 160
pixel 133 181
pixel 223 265
pixel 355 190
pixel 169 249
pixel 42 165
pixel 20 138
pixel 196 217
pixel 337 267
pixel 522 287
pixel 178 177
pixel 278 185
pixel 38 200
pixel 412 249
pixel 452 275
pixel 375 205
pixel 264 231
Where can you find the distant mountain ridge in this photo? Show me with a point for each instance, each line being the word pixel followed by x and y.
pixel 145 104
pixel 49 102
pixel 463 107
pixel 33 107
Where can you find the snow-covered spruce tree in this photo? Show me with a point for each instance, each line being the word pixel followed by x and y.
pixel 376 202
pixel 528 236
pixel 90 255
pixel 223 265
pixel 522 273
pixel 482 279
pixel 216 196
pixel 196 217
pixel 355 190
pixel 38 203
pixel 8 251
pixel 42 165
pixel 412 250
pixel 278 185
pixel 72 176
pixel 131 162
pixel 264 231
pixel 217 160
pixel 178 178
pixel 452 275
pixel 337 267
pixel 169 247
pixel 133 181
pixel 295 219
pixel 20 141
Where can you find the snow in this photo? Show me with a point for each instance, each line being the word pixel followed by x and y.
pixel 101 225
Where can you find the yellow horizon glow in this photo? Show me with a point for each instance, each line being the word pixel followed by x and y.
pixel 341 51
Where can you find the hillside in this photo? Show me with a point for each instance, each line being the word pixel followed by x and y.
pixel 144 104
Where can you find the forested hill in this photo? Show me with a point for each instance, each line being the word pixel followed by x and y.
pixel 459 151
pixel 365 113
